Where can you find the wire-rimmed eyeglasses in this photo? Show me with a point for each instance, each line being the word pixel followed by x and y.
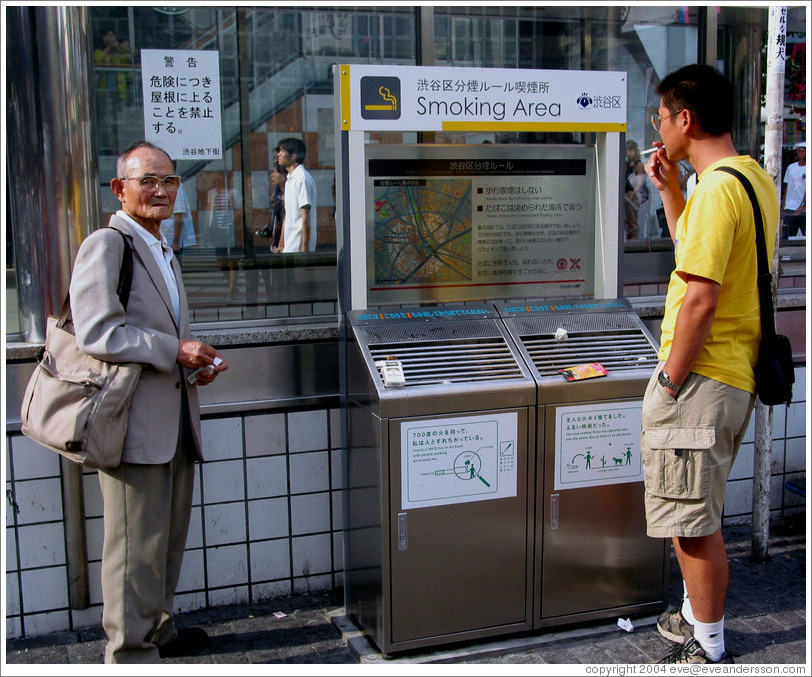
pixel 656 120
pixel 150 181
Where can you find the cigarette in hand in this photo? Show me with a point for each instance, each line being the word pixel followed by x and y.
pixel 647 151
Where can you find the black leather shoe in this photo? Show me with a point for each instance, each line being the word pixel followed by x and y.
pixel 188 641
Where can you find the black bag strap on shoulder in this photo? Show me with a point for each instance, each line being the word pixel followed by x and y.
pixel 765 278
pixel 125 280
pixel 125 276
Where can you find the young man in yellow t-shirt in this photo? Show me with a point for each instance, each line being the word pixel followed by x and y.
pixel 699 400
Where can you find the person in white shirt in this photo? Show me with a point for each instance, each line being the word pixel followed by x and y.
pixel 299 227
pixel 793 200
pixel 179 230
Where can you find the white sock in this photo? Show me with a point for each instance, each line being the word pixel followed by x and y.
pixel 712 638
pixel 686 608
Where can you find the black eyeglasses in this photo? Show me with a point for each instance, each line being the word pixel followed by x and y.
pixel 150 181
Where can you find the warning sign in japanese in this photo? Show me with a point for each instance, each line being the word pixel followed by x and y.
pixel 598 444
pixel 182 102
pixel 458 460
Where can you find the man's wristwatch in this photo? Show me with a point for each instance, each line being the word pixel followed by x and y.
pixel 665 381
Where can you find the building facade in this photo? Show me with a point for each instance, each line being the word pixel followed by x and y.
pixel 268 519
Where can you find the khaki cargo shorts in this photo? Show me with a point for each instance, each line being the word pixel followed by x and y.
pixel 688 447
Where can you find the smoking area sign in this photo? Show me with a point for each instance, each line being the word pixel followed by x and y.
pixel 182 102
pixel 421 98
pixel 598 444
pixel 458 460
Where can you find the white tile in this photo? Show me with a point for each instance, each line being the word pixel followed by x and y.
pixel 30 460
pixel 225 523
pixel 338 551
pixel 94 582
pixel 310 513
pixel 42 624
pixel 270 560
pixel 9 508
pixel 189 601
pixel 309 472
pixel 738 498
pixel 192 572
pixel 11 550
pixel 222 438
pixel 796 420
pixel 268 518
pixel 743 465
pixel 267 476
pixel 42 545
pixel 194 538
pixel 312 555
pixel 270 591
pixel 337 469
pixel 223 481
pixel 265 434
pixel 779 422
pixel 750 433
pixel 38 501
pixel 776 492
pixel 13 628
pixel 799 387
pixel 226 565
pixel 336 416
pixel 86 618
pixel 12 594
pixel 94 503
pixel 791 499
pixel 796 460
pixel 309 584
pixel 777 458
pixel 307 430
pixel 196 500
pixel 226 596
pixel 44 589
pixel 94 530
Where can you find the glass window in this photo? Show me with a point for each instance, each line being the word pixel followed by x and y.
pixel 645 42
pixel 275 82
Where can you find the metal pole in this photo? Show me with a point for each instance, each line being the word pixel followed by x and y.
pixel 776 57
pixel 35 256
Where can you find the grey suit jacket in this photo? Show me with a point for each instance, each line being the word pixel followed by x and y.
pixel 147 333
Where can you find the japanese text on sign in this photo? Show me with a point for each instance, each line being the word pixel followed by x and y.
pixel 458 460
pixel 598 444
pixel 182 102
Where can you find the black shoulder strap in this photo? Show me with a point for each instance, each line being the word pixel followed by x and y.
pixel 125 276
pixel 764 279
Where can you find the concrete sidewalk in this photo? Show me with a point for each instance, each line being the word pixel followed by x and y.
pixel 766 623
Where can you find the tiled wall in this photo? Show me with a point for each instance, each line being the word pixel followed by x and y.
pixel 267 514
pixel 266 521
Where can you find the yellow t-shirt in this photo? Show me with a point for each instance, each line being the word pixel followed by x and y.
pixel 715 239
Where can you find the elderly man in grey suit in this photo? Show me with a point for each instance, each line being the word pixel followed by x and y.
pixel 148 497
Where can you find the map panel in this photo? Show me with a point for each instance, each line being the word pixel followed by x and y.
pixel 472 222
pixel 423 231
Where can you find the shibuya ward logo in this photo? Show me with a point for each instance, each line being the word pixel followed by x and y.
pixel 380 98
pixel 584 101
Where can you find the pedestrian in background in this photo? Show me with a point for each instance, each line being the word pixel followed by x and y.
pixel 793 198
pixel 179 230
pixel 299 227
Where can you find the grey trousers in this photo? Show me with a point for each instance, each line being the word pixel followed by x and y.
pixel 146 520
